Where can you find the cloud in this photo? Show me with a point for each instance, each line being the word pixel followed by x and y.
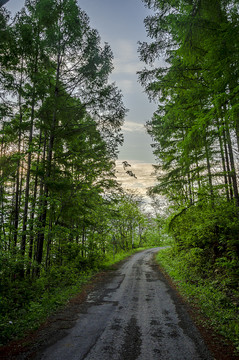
pixel 124 66
pixel 145 179
pixel 125 61
pixel 130 126
pixel 125 49
pixel 143 172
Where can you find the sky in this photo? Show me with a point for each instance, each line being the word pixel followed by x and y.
pixel 120 23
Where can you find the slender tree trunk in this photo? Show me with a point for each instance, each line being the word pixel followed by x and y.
pixel 29 159
pixel 237 129
pixel 198 173
pixel 223 160
pixel 16 220
pixel 39 245
pixel 233 169
pixel 31 239
pixel 2 191
pixel 16 212
pixel 189 188
pixel 209 170
pixel 227 163
pixel 41 234
pixel 48 246
pixel 27 190
pixel 83 240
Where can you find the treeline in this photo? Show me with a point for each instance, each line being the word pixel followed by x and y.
pixel 196 125
pixel 59 135
pixel 62 211
pixel 60 128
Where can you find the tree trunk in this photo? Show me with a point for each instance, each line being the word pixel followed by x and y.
pixel 227 163
pixel 209 170
pixel 39 245
pixel 17 190
pixel 223 160
pixel 27 190
pixel 41 234
pixel 31 239
pixel 233 169
pixel 29 159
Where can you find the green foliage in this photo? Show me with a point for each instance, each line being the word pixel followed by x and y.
pixel 153 236
pixel 59 136
pixel 26 304
pixel 103 238
pixel 212 229
pixel 58 139
pixel 195 130
pixel 194 124
pixel 212 292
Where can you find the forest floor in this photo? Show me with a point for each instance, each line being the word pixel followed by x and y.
pixel 56 326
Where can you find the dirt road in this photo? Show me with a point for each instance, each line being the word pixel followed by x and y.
pixel 133 316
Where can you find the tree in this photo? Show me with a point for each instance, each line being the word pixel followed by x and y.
pixel 190 88
pixel 195 127
pixel 3 2
pixel 61 127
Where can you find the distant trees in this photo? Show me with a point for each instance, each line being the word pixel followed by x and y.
pixel 195 128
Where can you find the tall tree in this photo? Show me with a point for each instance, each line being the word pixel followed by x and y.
pixel 193 84
pixel 60 126
pixel 195 128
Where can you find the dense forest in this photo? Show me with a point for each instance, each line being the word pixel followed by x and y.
pixel 61 209
pixel 63 214
pixel 195 131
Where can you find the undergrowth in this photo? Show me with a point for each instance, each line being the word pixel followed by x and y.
pixel 26 303
pixel 28 308
pixel 208 289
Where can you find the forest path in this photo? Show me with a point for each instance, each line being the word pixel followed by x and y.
pixel 134 315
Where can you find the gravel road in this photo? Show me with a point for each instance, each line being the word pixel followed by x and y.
pixel 135 315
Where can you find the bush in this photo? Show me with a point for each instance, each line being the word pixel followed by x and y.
pixel 212 232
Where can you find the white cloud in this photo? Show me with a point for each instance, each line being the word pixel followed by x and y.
pixel 130 126
pixel 125 49
pixel 143 172
pixel 145 179
pixel 124 66
pixel 126 61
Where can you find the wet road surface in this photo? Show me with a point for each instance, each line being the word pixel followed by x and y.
pixel 136 315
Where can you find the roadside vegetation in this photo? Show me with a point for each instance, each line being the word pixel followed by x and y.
pixel 27 301
pixel 209 289
pixel 195 131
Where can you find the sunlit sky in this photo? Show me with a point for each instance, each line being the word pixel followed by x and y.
pixel 121 24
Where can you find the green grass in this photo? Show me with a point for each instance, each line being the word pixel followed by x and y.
pixel 17 321
pixel 112 259
pixel 26 304
pixel 218 306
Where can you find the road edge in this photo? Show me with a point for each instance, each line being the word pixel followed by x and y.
pixel 219 347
